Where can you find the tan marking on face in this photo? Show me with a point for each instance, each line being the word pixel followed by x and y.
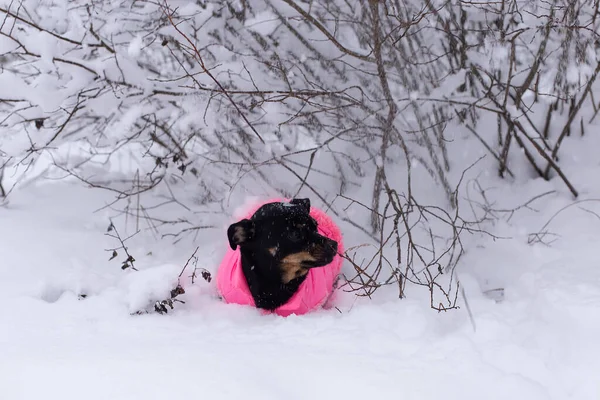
pixel 291 266
pixel 272 251
pixel 292 273
pixel 320 252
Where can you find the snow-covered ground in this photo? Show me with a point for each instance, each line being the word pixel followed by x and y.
pixel 539 342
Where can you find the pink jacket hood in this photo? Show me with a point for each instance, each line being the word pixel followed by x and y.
pixel 313 293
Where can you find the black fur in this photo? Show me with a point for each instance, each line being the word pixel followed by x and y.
pixel 278 245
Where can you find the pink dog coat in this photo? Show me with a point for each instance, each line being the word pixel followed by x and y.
pixel 314 292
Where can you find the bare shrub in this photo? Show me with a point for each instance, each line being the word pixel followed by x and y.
pixel 184 105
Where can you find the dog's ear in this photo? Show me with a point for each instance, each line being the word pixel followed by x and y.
pixel 240 233
pixel 304 203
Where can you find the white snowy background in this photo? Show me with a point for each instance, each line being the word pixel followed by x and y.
pixel 530 329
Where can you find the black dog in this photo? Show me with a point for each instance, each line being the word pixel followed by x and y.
pixel 278 245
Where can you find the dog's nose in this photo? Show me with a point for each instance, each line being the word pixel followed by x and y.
pixel 333 244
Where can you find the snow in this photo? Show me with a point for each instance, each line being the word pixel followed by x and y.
pixel 539 342
pixel 135 47
pixel 264 23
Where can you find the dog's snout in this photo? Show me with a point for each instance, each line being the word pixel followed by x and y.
pixel 330 247
pixel 333 245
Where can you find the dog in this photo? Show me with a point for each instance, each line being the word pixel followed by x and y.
pixel 279 244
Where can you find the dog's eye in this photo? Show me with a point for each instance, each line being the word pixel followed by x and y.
pixel 311 225
pixel 296 236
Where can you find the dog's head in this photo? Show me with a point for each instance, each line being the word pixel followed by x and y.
pixel 284 235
